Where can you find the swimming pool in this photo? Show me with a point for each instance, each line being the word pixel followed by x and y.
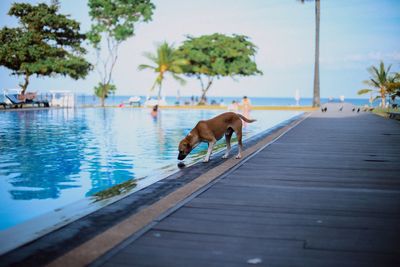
pixel 54 157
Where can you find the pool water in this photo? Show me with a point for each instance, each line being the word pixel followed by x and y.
pixel 54 157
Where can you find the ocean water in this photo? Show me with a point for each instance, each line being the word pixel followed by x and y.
pixel 115 100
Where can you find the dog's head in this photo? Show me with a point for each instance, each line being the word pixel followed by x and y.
pixel 184 148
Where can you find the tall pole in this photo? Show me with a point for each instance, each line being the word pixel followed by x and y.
pixel 316 97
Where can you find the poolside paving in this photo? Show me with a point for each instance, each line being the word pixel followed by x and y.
pixel 327 193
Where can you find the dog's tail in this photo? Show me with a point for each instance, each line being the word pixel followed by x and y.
pixel 245 119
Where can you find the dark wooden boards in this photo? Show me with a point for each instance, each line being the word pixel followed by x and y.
pixel 327 193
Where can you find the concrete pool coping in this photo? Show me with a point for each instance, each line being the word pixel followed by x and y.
pixel 90 247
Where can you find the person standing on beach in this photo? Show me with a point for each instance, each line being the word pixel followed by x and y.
pixel 246 104
pixel 233 107
pixel 246 108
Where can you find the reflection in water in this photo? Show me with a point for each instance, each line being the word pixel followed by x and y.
pixel 43 166
pixel 116 190
pixel 107 167
pixel 51 158
pixel 246 113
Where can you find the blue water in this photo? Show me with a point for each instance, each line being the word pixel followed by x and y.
pixel 257 101
pixel 54 157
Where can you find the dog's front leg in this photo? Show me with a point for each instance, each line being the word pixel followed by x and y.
pixel 209 151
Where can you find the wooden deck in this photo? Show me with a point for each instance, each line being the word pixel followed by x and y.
pixel 327 193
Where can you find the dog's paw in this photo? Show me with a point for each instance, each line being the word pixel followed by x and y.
pixel 205 160
pixel 238 157
pixel 225 156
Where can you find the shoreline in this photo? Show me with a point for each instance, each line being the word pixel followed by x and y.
pixel 289 108
pixel 205 107
pixel 299 108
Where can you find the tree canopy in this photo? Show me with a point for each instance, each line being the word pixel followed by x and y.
pixel 46 43
pixel 218 55
pixel 117 18
pixel 113 22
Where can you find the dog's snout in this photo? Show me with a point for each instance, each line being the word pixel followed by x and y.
pixel 181 155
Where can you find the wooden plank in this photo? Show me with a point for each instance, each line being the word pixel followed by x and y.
pixel 201 250
pixel 340 174
pixel 274 218
pixel 309 182
pixel 341 239
pixel 229 204
pixel 301 197
pixel 327 193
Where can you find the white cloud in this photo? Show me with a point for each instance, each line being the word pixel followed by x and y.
pixel 364 58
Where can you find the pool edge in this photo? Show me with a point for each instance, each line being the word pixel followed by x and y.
pixel 140 222
pixel 24 252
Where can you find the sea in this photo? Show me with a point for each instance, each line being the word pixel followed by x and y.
pixel 115 100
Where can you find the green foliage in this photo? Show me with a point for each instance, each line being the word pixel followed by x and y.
pixel 393 86
pixel 104 90
pixel 45 44
pixel 165 61
pixel 113 23
pixel 379 77
pixel 395 93
pixel 218 55
pixel 364 91
pixel 117 18
pixel 381 82
pixel 116 190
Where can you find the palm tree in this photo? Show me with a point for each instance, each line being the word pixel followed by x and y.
pixel 316 92
pixel 381 81
pixel 394 86
pixel 165 61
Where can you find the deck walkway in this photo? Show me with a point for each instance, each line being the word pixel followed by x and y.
pixel 327 193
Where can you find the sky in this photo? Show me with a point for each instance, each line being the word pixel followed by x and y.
pixel 354 34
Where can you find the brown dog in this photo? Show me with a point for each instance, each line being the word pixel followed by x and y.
pixel 211 131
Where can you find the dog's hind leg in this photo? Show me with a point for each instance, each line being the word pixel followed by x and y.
pixel 228 136
pixel 209 151
pixel 240 146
